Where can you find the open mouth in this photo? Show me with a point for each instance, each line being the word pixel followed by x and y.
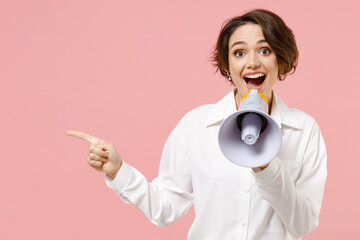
pixel 255 81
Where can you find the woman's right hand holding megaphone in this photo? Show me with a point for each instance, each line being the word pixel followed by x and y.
pixel 102 155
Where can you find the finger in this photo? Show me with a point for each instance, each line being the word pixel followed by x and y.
pixel 95 164
pixel 95 157
pixel 81 135
pixel 105 146
pixel 98 151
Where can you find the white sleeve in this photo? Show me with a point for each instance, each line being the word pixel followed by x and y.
pixel 297 203
pixel 169 196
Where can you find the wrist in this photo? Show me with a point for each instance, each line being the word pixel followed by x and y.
pixel 112 174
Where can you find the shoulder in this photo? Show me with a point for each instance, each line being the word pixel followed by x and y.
pixel 195 117
pixel 302 117
pixel 196 121
pixel 192 123
pixel 299 120
pixel 293 117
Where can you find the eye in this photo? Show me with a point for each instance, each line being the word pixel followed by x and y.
pixel 239 53
pixel 265 51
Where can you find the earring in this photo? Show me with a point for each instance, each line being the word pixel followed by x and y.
pixel 229 76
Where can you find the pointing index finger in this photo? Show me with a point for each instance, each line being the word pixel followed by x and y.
pixel 81 135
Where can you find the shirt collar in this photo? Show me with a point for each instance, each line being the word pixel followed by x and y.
pixel 280 112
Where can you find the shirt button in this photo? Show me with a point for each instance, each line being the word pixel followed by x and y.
pixel 246 189
pixel 243 222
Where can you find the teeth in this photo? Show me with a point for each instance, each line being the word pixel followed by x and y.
pixel 255 75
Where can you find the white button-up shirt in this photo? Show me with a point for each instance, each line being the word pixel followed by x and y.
pixel 231 202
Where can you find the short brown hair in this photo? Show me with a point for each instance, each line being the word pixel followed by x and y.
pixel 276 33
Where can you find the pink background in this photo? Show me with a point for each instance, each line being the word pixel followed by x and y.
pixel 127 71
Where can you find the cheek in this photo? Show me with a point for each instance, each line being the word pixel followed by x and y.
pixel 232 66
pixel 273 68
pixel 236 69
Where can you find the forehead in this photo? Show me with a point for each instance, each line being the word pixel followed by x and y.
pixel 248 33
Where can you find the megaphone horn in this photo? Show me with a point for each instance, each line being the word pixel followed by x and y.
pixel 250 137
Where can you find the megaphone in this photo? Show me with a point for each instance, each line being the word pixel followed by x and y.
pixel 250 137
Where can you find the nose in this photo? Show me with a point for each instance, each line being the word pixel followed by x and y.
pixel 252 61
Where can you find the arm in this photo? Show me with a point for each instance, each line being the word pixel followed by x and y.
pixel 166 198
pixel 297 203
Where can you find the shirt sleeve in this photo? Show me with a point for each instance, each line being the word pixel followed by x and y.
pixel 297 202
pixel 169 196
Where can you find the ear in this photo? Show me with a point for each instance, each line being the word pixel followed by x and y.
pixel 226 71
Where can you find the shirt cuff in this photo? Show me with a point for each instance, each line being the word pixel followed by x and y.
pixel 266 175
pixel 121 178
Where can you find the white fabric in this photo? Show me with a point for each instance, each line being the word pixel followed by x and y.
pixel 231 202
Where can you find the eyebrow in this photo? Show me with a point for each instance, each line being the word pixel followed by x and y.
pixel 242 42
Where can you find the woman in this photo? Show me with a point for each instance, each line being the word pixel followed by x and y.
pixel 280 200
